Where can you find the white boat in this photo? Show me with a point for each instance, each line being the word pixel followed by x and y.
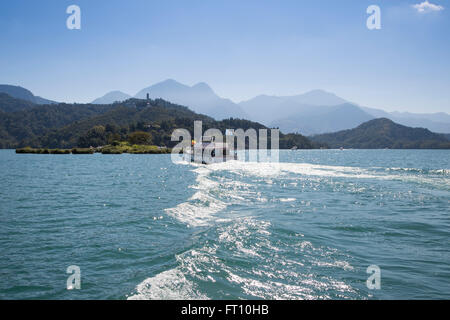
pixel 208 151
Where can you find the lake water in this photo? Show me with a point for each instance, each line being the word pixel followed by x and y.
pixel 142 227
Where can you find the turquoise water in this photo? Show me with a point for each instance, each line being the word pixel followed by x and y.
pixel 142 227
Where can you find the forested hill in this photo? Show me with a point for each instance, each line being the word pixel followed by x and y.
pixel 84 125
pixel 32 121
pixel 10 104
pixel 384 133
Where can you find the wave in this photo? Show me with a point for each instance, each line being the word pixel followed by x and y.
pixel 246 260
pixel 168 285
pixel 242 256
pixel 214 192
pixel 198 210
pixel 282 266
pixel 268 169
pixel 425 171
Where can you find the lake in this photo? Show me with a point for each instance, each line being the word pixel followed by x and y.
pixel 142 227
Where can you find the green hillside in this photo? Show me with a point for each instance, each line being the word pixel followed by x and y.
pixel 85 125
pixel 17 128
pixel 10 104
pixel 384 133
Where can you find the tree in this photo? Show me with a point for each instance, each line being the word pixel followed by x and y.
pixel 94 137
pixel 140 137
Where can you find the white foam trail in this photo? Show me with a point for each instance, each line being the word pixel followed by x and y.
pixel 306 288
pixel 215 194
pixel 278 170
pixel 272 275
pixel 198 210
pixel 287 199
pixel 417 170
pixel 269 169
pixel 168 285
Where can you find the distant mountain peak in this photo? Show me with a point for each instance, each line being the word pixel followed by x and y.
pixel 24 94
pixel 204 89
pixel 318 97
pixel 380 122
pixel 199 98
pixel 111 97
pixel 169 81
pixel 202 85
pixel 384 133
pixel 318 91
pixel 168 85
pixel 268 109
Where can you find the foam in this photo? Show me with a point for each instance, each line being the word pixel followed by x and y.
pixel 287 199
pixel 268 169
pixel 269 277
pixel 420 171
pixel 199 208
pixel 168 285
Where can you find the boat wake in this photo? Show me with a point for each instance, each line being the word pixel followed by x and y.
pixel 248 255
pixel 245 262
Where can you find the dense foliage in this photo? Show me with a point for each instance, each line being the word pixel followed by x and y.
pixel 9 104
pixel 136 121
pixel 21 128
pixel 115 148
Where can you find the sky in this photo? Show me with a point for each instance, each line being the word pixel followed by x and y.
pixel 241 48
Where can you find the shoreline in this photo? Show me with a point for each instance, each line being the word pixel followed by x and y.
pixel 104 150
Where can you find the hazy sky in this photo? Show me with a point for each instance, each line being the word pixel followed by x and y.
pixel 240 48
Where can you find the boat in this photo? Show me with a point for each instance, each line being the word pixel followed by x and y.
pixel 209 151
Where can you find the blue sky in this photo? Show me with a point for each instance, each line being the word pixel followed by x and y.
pixel 240 48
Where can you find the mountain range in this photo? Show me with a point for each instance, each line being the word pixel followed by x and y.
pixel 23 123
pixel 199 98
pixel 314 120
pixel 268 109
pixel 437 122
pixel 314 112
pixel 318 111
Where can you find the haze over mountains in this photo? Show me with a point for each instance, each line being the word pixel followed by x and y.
pixel 321 119
pixel 24 94
pixel 268 109
pixel 318 111
pixel 314 112
pixel 111 97
pixel 199 98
